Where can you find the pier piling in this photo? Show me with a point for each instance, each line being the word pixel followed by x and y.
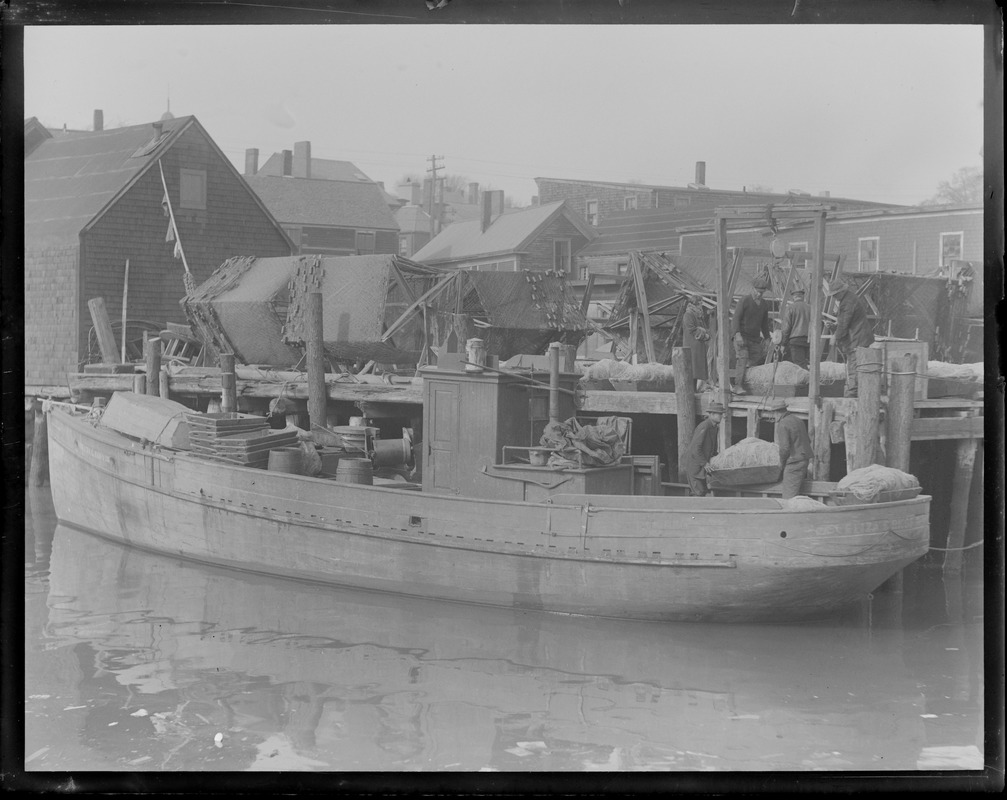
pixel 152 359
pixel 685 397
pixel 228 384
pixel 316 360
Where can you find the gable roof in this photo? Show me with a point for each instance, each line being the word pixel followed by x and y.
pixel 325 169
pixel 72 178
pixel 307 201
pixel 647 229
pixel 508 233
pixel 68 180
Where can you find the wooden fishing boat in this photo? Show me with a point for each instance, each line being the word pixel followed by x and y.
pixel 482 530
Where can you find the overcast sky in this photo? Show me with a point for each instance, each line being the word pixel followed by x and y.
pixel 879 113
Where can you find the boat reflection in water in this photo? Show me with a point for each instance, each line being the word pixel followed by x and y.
pixel 293 675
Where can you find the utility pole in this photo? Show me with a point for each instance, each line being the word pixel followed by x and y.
pixel 434 166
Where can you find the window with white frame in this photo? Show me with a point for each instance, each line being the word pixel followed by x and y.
pixel 629 203
pixel 951 248
pixel 192 188
pixel 403 245
pixel 561 255
pixel 592 212
pixel 867 255
pixel 798 247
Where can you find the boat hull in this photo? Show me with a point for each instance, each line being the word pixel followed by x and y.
pixel 633 557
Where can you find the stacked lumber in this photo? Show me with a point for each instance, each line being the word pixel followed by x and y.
pixel 236 438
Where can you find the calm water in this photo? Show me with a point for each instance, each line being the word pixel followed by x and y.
pixel 137 662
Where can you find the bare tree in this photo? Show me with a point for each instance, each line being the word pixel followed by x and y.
pixel 965 186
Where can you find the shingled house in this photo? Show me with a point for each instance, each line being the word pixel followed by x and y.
pixel 326 206
pixel 538 238
pixel 93 199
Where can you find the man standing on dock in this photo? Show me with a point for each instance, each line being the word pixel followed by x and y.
pixel 750 329
pixel 794 333
pixel 853 329
pixel 792 439
pixel 702 448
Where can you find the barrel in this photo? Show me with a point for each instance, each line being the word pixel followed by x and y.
pixel 355 470
pixel 286 459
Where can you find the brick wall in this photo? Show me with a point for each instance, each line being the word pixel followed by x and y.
pixel 50 315
pixel 232 224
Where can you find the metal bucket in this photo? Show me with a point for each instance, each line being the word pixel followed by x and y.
pixel 286 459
pixel 355 470
pixel 392 452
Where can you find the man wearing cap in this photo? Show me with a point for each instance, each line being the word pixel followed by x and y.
pixel 750 330
pixel 853 329
pixel 795 324
pixel 792 439
pixel 702 448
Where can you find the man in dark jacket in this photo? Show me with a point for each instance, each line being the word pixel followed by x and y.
pixel 792 439
pixel 696 337
pixel 750 330
pixel 853 329
pixel 702 448
pixel 795 324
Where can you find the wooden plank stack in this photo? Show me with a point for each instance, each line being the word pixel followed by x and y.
pixel 236 438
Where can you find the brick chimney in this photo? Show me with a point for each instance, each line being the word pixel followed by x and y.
pixel 251 160
pixel 473 194
pixel 99 120
pixel 302 160
pixel 288 159
pixel 487 209
pixel 701 173
pixel 498 201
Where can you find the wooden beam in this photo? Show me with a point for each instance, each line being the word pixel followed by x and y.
pixel 933 428
pixel 899 419
pixel 228 384
pixel 815 329
pixel 961 485
pixel 685 397
pixel 870 368
pixel 723 327
pixel 315 354
pixel 822 444
pixel 103 330
pixel 636 265
pixel 152 359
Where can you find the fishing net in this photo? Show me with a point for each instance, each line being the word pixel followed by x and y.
pixel 750 452
pixel 579 445
pixel 831 371
pixel 760 379
pixel 955 372
pixel 867 482
pixel 803 503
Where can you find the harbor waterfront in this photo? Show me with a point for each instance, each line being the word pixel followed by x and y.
pixel 140 662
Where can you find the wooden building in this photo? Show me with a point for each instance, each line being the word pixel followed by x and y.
pixel 539 238
pixel 94 200
pixel 925 241
pixel 596 201
pixel 327 207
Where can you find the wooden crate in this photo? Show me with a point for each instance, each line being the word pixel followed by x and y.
pixel 833 389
